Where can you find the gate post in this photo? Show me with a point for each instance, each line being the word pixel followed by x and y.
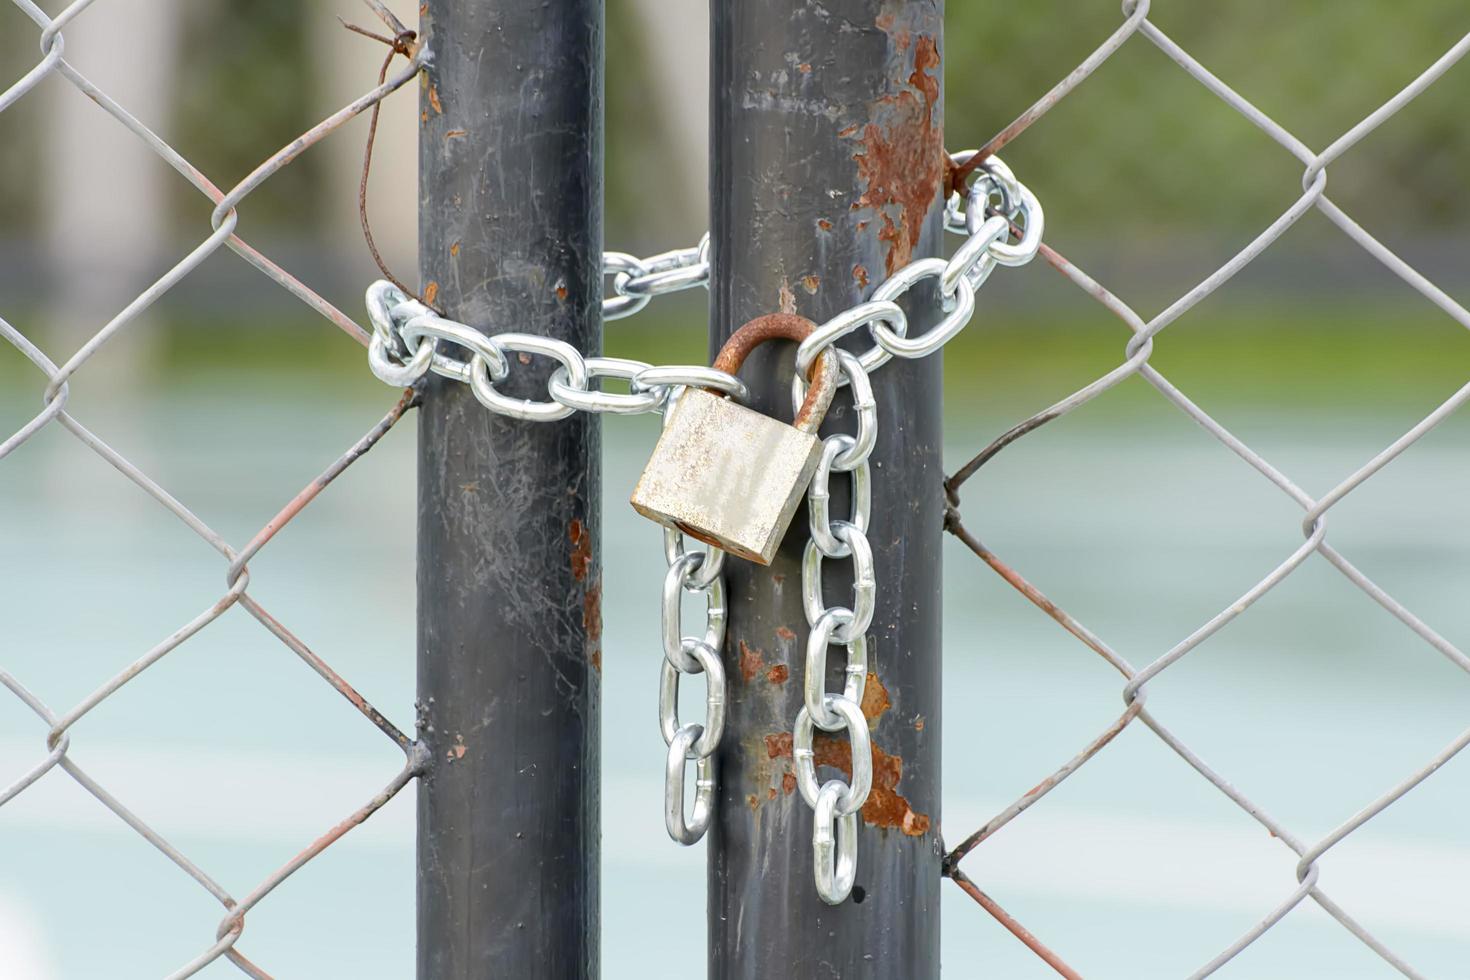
pixel 826 146
pixel 509 571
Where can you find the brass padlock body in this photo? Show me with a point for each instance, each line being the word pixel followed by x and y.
pixel 727 475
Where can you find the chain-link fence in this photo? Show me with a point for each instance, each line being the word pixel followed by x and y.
pixel 1137 29
pixel 55 379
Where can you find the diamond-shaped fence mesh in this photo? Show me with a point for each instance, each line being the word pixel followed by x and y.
pixel 1145 332
pixel 55 382
pixel 56 376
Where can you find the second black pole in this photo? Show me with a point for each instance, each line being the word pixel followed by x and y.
pixel 827 174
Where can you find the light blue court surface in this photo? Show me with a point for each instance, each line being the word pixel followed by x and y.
pixel 1313 703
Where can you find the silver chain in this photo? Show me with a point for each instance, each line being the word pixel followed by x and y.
pixel 636 281
pixel 406 345
pixel 834 830
pixel 699 573
pixel 399 354
pixel 995 200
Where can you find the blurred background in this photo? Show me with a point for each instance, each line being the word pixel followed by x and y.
pixel 233 396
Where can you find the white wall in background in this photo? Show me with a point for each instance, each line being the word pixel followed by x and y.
pixel 104 218
pixel 680 92
pixel 348 67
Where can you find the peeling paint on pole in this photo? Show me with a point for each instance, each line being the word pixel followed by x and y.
pixel 901 148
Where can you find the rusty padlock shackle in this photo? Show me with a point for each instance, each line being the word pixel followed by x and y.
pixel 785 326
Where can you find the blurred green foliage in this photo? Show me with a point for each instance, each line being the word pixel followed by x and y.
pixel 628 161
pixel 1142 148
pixel 1141 157
pixel 19 157
pixel 249 78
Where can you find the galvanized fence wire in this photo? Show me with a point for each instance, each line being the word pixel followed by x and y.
pixel 58 379
pixel 1138 351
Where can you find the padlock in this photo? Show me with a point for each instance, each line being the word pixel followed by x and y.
pixel 728 475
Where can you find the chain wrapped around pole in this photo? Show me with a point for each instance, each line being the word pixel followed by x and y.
pixel 410 340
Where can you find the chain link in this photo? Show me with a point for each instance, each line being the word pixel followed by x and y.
pixel 864 586
pixel 819 496
pixel 708 661
pixel 637 401
pixel 703 574
pixel 697 573
pixel 834 844
pixel 681 578
pixel 636 281
pixel 688 832
pixel 864 405
pixel 572 364
pixel 835 803
pixel 814 690
pixel 849 717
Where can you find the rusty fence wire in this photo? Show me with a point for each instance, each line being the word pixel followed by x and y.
pixel 54 384
pixel 1136 28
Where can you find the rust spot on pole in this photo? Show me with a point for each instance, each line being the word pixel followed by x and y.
pixel 581 561
pixel 581 548
pixel 886 806
pixel 752 659
pixel 785 633
pixel 778 674
pixel 592 621
pixel 901 157
pixel 875 699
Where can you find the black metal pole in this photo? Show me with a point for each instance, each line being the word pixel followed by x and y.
pixel 827 138
pixel 509 574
